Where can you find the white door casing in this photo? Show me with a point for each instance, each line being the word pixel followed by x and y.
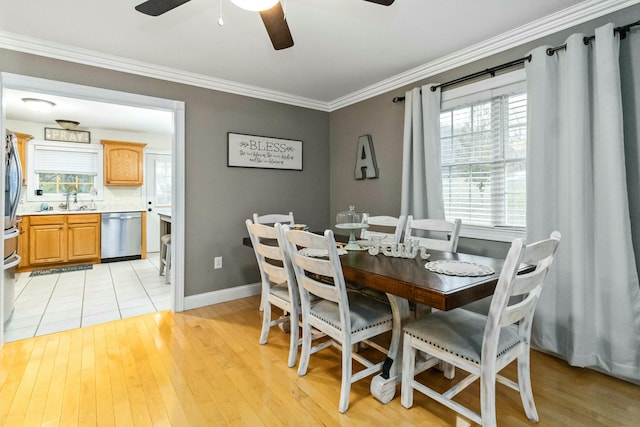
pixel 158 195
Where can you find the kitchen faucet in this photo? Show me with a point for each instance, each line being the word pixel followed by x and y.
pixel 69 193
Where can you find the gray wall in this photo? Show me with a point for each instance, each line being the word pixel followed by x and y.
pixel 383 120
pixel 219 198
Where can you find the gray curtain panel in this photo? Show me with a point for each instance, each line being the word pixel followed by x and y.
pixel 421 174
pixel 589 310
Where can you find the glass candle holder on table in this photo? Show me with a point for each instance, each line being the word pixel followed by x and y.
pixel 352 221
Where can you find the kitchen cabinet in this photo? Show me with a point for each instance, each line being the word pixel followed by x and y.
pixel 123 162
pixel 83 234
pixel 47 240
pixel 23 140
pixel 57 240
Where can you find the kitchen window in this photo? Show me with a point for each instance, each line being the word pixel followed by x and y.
pixel 483 136
pixel 60 168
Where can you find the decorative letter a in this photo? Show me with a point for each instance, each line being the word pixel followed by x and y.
pixel 366 166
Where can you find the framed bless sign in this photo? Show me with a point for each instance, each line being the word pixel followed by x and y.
pixel 251 151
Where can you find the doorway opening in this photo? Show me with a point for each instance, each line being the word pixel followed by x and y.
pixel 124 99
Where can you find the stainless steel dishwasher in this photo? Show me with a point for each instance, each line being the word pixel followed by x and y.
pixel 121 236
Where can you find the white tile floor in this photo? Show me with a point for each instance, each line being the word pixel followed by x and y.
pixel 110 291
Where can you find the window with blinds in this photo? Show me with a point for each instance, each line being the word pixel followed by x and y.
pixel 483 159
pixel 58 168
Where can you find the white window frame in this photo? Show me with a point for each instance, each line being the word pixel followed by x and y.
pixel 32 180
pixel 514 81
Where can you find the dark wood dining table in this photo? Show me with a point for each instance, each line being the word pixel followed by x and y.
pixel 407 279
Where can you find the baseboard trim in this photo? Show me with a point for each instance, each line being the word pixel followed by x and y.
pixel 223 295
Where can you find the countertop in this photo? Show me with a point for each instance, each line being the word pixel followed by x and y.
pixel 74 212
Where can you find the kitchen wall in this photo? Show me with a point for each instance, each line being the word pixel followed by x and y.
pixel 113 197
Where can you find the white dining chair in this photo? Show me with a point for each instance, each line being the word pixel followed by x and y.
pixel 442 235
pixel 484 345
pixel 348 318
pixel 388 228
pixel 273 218
pixel 279 287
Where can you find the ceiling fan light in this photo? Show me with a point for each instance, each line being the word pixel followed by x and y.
pixel 255 5
pixel 40 105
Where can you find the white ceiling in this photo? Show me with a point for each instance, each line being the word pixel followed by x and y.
pixel 90 114
pixel 343 48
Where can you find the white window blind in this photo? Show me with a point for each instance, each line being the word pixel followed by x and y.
pixel 483 149
pixel 64 161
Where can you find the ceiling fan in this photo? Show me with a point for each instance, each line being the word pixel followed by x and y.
pixel 272 17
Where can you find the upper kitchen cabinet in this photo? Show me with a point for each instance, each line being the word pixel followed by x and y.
pixel 123 162
pixel 23 139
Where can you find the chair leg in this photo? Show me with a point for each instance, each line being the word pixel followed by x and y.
pixel 347 369
pixel 524 382
pixel 488 398
pixel 266 323
pixel 448 370
pixel 294 337
pixel 408 368
pixel 163 250
pixel 306 348
pixel 167 267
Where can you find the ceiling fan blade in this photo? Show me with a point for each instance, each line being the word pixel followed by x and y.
pixel 277 27
pixel 382 2
pixel 158 7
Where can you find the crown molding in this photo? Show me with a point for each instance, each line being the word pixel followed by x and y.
pixel 575 15
pixel 580 13
pixel 63 52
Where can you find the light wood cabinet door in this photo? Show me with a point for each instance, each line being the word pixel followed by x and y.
pixel 123 163
pixel 83 237
pixel 47 244
pixel 23 139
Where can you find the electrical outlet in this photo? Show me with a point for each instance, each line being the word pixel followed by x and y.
pixel 217 262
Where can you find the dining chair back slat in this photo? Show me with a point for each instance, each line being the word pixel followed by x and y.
pixel 268 251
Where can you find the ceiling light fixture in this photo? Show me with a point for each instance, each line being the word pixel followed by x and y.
pixel 255 5
pixel 67 124
pixel 39 105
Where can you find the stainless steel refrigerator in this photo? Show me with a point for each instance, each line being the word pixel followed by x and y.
pixel 13 188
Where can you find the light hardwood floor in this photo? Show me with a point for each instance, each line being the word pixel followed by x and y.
pixel 204 367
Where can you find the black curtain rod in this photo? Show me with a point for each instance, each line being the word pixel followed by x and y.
pixel 586 40
pixel 550 51
pixel 492 71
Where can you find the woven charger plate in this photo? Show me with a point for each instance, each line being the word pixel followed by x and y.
pixel 459 268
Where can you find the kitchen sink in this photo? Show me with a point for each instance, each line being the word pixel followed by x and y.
pixel 83 208
pixel 80 208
